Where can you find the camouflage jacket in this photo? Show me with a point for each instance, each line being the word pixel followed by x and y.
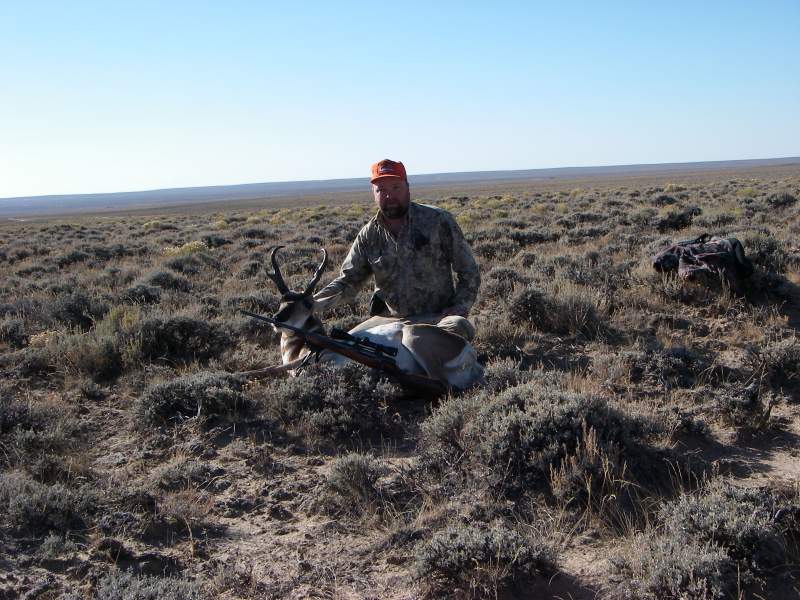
pixel 413 273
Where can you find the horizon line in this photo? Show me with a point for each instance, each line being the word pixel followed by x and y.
pixel 410 177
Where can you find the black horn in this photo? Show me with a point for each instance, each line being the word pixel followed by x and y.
pixel 317 274
pixel 276 276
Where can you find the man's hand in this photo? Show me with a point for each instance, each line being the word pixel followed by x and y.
pixel 457 311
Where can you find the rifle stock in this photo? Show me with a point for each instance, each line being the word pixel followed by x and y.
pixel 423 383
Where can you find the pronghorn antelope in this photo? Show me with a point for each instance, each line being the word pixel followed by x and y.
pixel 421 348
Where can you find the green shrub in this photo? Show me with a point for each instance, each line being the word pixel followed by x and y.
pixel 781 200
pixel 765 251
pixel 77 310
pixel 351 485
pixel 739 520
pixel 709 541
pixel 182 339
pixel 775 361
pixel 569 312
pixel 32 434
pixel 200 394
pixel 120 585
pixel 168 281
pixel 511 440
pixel 328 404
pixel 13 332
pixel 669 568
pixel 480 561
pixel 141 294
pixel 182 473
pixel 31 507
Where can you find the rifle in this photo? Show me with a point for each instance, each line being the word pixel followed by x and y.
pixel 364 351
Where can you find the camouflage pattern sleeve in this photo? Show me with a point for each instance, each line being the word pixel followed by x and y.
pixel 354 272
pixel 465 268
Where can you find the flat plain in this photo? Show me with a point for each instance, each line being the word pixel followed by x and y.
pixel 637 437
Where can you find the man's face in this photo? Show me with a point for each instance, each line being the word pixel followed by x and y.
pixel 392 197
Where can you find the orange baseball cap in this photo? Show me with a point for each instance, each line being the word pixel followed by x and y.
pixel 388 168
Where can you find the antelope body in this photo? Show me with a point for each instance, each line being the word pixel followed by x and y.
pixel 421 348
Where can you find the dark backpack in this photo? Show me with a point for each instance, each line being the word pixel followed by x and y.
pixel 697 259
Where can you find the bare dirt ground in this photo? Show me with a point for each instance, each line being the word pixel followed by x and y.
pixel 638 437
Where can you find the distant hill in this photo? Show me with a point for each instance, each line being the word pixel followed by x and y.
pixel 93 203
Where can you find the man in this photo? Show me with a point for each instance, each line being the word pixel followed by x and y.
pixel 414 252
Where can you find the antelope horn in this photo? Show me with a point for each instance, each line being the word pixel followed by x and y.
pixel 317 274
pixel 276 276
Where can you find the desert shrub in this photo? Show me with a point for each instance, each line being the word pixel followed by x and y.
pixel 351 485
pixel 328 404
pixel 122 585
pixel 668 568
pixel 662 200
pixel 13 332
pixel 28 506
pixel 96 354
pixel 569 312
pixel 706 542
pixel 505 372
pixel 156 225
pixel 775 361
pixel 72 258
pixel 186 249
pixel 745 408
pixel 141 294
pixel 77 310
pixel 99 356
pixel 496 249
pixel 254 233
pixel 530 237
pixel 480 561
pixel 31 433
pixel 55 546
pixel 781 200
pixel 182 473
pixel 249 269
pixel 168 281
pixel 201 394
pixel 261 302
pixel 675 220
pixel 215 241
pixel 511 440
pixel 765 251
pixel 186 264
pixel 181 339
pixel 739 520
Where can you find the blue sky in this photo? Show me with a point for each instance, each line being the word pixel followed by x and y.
pixel 117 96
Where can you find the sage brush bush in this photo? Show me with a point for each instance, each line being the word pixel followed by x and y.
pixel 182 339
pixel 351 485
pixel 121 585
pixel 201 394
pixel 328 404
pixel 668 568
pixel 480 561
pixel 511 440
pixel 29 506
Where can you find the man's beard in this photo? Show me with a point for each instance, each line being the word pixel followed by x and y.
pixel 395 212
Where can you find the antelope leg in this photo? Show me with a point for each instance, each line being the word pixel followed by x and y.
pixel 271 371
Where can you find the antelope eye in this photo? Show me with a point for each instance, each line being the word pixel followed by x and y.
pixel 307 303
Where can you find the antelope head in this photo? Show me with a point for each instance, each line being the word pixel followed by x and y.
pixel 296 308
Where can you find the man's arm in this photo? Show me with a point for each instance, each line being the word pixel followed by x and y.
pixel 354 272
pixel 467 274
